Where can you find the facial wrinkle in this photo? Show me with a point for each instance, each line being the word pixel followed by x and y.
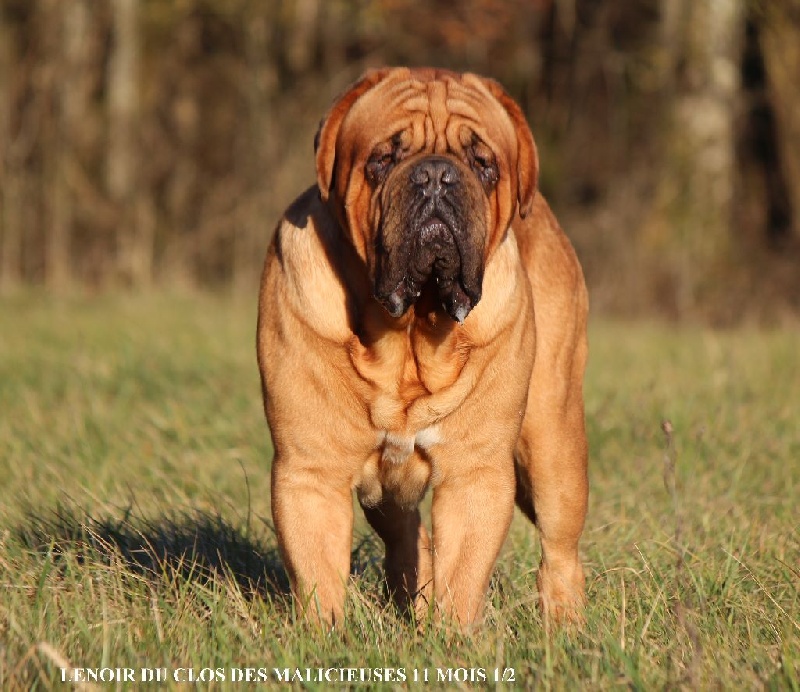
pixel 466 103
pixel 438 114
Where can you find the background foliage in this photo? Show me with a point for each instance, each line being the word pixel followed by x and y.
pixel 148 142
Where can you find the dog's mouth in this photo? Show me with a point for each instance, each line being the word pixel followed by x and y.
pixel 437 257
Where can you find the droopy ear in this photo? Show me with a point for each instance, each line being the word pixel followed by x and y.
pixel 325 139
pixel 527 156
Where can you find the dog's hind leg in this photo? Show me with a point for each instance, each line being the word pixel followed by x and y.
pixel 554 468
pixel 552 482
pixel 409 574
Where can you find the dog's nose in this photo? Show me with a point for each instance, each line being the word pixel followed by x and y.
pixel 434 175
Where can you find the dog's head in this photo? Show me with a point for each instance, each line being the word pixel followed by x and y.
pixel 426 169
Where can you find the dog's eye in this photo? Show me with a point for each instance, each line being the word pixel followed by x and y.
pixel 383 158
pixel 378 166
pixel 484 164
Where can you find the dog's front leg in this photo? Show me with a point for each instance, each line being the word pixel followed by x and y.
pixel 313 518
pixel 472 511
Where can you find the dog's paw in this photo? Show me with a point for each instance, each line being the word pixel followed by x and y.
pixel 562 598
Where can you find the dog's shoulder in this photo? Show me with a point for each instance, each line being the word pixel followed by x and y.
pixel 306 268
pixel 304 232
pixel 548 256
pixel 560 298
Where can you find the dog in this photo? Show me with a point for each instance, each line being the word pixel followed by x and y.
pixel 422 326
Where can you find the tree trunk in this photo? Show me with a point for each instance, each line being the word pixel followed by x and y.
pixel 301 28
pixel 780 34
pixel 10 176
pixel 689 233
pixel 256 150
pixel 136 228
pixel 54 75
pixel 185 110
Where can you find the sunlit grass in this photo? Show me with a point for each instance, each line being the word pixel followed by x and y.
pixel 134 507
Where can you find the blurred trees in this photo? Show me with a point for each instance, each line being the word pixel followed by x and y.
pixel 690 225
pixel 152 141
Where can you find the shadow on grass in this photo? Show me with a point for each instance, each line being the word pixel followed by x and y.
pixel 200 547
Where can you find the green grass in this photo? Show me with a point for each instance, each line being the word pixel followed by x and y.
pixel 135 525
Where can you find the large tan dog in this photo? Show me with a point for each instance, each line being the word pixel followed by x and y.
pixel 422 325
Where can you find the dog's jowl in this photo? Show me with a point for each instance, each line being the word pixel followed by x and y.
pixel 422 326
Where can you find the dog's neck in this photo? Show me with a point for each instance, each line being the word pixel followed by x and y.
pixel 419 366
pixel 415 368
pixel 406 358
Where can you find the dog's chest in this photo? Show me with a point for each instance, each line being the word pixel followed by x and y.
pixel 402 370
pixel 410 385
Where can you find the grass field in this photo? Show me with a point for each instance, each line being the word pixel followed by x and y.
pixel 135 525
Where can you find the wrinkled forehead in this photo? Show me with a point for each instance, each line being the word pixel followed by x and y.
pixel 437 114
